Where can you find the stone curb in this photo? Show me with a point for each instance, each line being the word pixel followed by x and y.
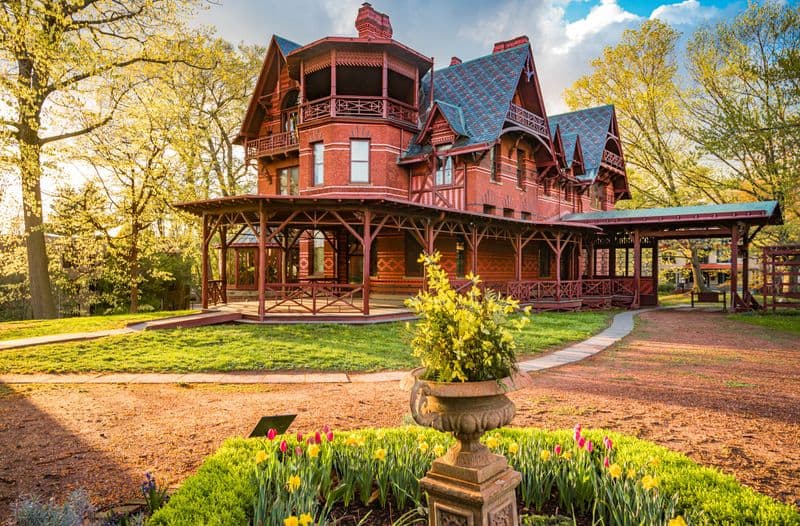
pixel 621 326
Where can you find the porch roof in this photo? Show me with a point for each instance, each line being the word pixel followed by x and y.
pixel 753 213
pixel 250 203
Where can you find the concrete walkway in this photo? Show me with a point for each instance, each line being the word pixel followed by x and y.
pixel 63 338
pixel 620 327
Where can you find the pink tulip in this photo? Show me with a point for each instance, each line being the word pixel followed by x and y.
pixel 607 442
pixel 299 436
pixel 581 441
pixel 329 436
pixel 606 462
pixel 317 438
pixel 310 440
pixel 589 446
pixel 284 446
pixel 326 429
pixel 298 451
pixel 557 449
pixel 271 434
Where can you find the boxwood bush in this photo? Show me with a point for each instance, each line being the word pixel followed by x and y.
pixel 615 478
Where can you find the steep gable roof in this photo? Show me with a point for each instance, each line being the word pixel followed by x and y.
pixel 592 125
pixel 286 46
pixel 481 88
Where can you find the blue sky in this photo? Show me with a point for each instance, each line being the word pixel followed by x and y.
pixel 566 34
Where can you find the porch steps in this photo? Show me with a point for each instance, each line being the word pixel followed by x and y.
pixel 344 319
pixel 192 320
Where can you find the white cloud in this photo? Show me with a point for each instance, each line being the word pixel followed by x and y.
pixel 683 13
pixel 343 15
pixel 601 17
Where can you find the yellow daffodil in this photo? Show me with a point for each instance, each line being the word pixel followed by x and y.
pixel 293 484
pixel 261 456
pixel 567 455
pixel 544 455
pixel 649 482
pixel 350 441
pixel 615 471
pixel 492 442
pixel 291 521
pixel 306 519
pixel 513 448
pixel 677 521
pixel 360 441
pixel 423 446
pixel 654 462
pixel 421 437
pixel 380 454
pixel 438 450
pixel 313 450
pixel 631 473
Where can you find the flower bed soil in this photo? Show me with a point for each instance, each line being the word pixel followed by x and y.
pixel 724 393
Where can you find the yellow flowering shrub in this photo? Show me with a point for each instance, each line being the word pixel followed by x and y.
pixel 465 337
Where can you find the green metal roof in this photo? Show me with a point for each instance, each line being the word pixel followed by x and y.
pixel 769 209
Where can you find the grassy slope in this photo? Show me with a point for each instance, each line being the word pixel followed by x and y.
pixel 239 347
pixel 788 321
pixel 13 330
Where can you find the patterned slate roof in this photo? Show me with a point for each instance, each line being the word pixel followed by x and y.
pixel 769 208
pixel 592 125
pixel 454 116
pixel 482 88
pixel 569 140
pixel 286 46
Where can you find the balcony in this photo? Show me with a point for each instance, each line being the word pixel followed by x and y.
pixel 613 160
pixel 528 120
pixel 270 145
pixel 369 107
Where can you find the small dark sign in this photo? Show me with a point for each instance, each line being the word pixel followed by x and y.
pixel 280 423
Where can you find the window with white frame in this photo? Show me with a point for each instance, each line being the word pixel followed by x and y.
pixel 444 171
pixel 318 153
pixel 359 160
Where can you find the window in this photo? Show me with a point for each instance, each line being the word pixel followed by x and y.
pixel 460 260
pixel 359 160
pixel 318 254
pixel 494 158
pixel 525 215
pixel 546 187
pixel 520 168
pixel 544 260
pixel 444 172
pixel 601 258
pixel 508 212
pixel 489 209
pixel 289 181
pixel 597 194
pixel 318 153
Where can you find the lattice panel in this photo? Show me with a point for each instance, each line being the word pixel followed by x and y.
pixel 359 58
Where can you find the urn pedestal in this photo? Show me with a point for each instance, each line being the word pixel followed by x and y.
pixel 469 485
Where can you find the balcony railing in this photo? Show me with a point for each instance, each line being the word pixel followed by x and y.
pixel 342 106
pixel 613 159
pixel 522 117
pixel 270 145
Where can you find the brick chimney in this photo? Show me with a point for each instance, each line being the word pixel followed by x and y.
pixel 455 61
pixel 372 24
pixel 508 44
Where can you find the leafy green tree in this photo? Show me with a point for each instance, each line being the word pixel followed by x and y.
pixel 639 77
pixel 746 106
pixel 63 54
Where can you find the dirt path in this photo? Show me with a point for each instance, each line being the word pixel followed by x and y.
pixel 725 394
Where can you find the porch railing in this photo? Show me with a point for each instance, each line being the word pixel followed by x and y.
pixel 216 292
pixel 270 145
pixel 622 286
pixel 342 106
pixel 596 287
pixel 613 159
pixel 526 119
pixel 539 290
pixel 313 297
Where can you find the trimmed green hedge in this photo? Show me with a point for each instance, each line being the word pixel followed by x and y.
pixel 223 490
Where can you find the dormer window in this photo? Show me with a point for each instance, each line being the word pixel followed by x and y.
pixel 444 172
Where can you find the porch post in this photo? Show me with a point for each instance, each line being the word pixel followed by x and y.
pixel 385 87
pixel 341 257
pixel 473 247
pixel 262 259
pixel 558 266
pixel 223 262
pixel 517 244
pixel 367 245
pixel 734 264
pixel 637 268
pixel 333 82
pixel 746 267
pixel 204 265
pixel 655 269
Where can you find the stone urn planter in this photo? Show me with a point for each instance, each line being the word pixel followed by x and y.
pixel 469 485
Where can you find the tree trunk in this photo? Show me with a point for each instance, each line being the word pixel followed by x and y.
pixel 42 303
pixel 134 271
pixel 699 284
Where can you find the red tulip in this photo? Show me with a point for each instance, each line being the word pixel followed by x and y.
pixel 271 434
pixel 581 441
pixel 299 436
pixel 606 462
pixel 607 442
pixel 298 451
pixel 589 446
pixel 284 446
pixel 317 438
pixel 329 436
pixel 557 449
pixel 326 429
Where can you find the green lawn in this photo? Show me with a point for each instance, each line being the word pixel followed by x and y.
pixel 788 320
pixel 244 347
pixel 28 328
pixel 670 300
